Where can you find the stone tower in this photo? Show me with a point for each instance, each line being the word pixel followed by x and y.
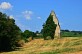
pixel 55 19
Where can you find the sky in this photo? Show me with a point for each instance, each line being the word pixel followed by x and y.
pixel 31 14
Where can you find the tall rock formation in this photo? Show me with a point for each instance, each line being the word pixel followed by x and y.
pixel 55 19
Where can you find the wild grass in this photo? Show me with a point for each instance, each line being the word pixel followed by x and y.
pixel 63 45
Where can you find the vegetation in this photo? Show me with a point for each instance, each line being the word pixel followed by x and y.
pixel 11 37
pixel 68 33
pixel 49 28
pixel 28 34
pixel 9 33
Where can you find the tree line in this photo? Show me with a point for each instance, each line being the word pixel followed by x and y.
pixel 68 33
pixel 11 35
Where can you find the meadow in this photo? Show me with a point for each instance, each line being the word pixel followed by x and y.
pixel 64 45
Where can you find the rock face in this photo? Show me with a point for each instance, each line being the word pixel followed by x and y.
pixel 55 19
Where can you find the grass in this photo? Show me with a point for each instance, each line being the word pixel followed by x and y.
pixel 63 45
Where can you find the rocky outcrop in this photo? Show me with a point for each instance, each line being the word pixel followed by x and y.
pixel 55 19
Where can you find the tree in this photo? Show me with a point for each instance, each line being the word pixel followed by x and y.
pixel 49 28
pixel 10 33
pixel 37 32
pixel 27 34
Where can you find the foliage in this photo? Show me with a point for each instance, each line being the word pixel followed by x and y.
pixel 9 33
pixel 27 34
pixel 37 32
pixel 49 28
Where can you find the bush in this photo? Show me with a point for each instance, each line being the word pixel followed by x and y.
pixel 48 38
pixel 20 43
pixel 28 35
pixel 30 39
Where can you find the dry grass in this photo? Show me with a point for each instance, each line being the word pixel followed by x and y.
pixel 39 46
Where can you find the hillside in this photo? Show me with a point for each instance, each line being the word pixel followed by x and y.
pixel 66 45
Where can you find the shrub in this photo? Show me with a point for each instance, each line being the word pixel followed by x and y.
pixel 20 43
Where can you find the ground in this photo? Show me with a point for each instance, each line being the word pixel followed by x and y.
pixel 66 45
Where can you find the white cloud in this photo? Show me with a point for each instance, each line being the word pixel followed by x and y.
pixel 5 5
pixel 27 14
pixel 11 17
pixel 39 17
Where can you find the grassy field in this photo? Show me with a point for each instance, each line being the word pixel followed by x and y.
pixel 65 45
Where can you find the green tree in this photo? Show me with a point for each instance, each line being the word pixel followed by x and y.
pixel 49 28
pixel 28 34
pixel 9 33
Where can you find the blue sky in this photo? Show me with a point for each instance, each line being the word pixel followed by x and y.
pixel 31 14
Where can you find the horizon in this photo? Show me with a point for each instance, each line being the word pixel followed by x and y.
pixel 30 15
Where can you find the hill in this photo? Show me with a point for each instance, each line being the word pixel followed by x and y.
pixel 65 45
